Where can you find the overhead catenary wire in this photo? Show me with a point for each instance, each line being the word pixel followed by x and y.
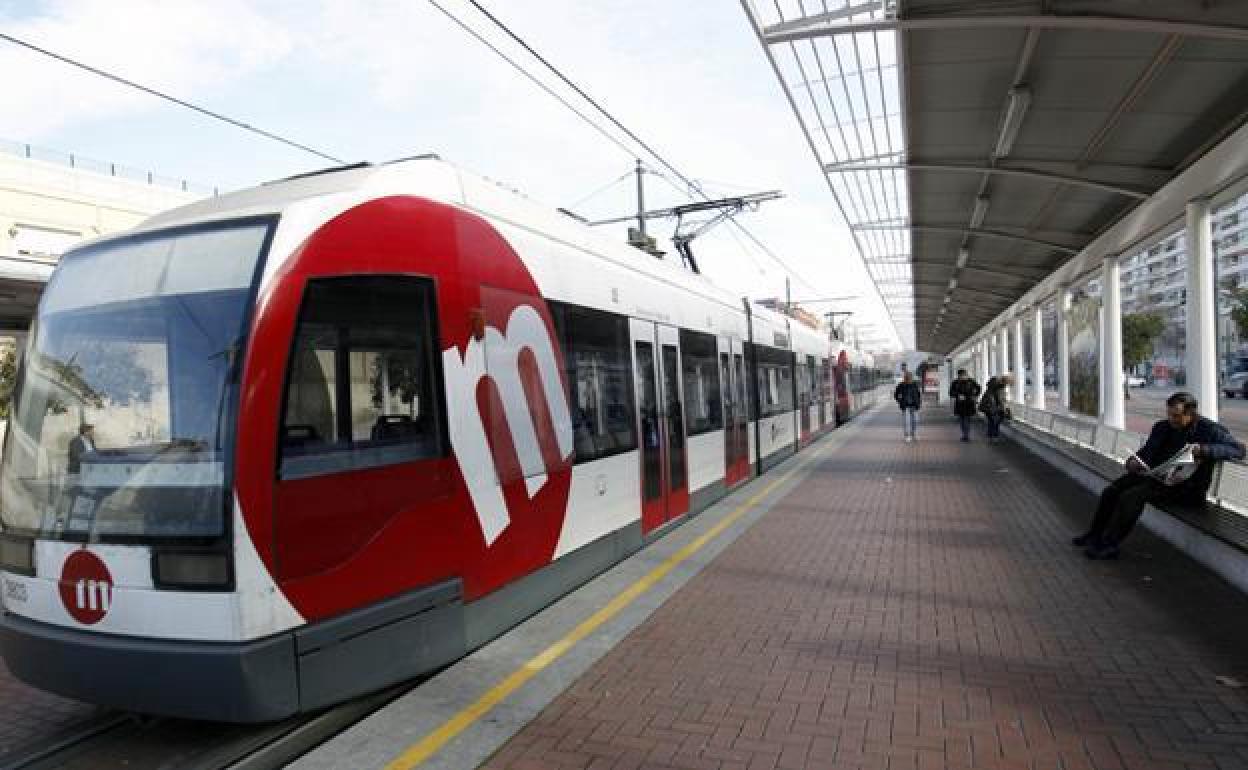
pixel 535 80
pixel 692 187
pixel 604 188
pixel 170 98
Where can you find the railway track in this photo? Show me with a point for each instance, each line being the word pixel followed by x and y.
pixel 132 742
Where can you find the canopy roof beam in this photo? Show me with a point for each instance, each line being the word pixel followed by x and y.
pixel 971 168
pixel 1036 275
pixel 815 26
pixel 978 232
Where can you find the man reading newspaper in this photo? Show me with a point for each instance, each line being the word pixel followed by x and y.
pixel 1175 465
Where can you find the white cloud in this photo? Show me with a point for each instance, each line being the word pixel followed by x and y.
pixel 188 49
pixel 395 77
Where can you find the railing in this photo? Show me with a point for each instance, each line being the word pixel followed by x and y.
pixel 1230 481
pixel 101 167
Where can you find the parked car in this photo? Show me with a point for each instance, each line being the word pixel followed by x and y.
pixel 1236 385
pixel 1134 381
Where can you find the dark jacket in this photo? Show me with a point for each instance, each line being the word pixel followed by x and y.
pixel 1216 443
pixel 78 448
pixel 907 395
pixel 993 403
pixel 965 395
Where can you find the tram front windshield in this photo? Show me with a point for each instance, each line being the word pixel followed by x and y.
pixel 123 418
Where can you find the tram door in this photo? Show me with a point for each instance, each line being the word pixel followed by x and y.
pixel 661 412
pixel 824 384
pixel 736 411
pixel 804 373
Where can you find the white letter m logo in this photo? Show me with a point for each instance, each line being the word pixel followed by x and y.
pixel 499 359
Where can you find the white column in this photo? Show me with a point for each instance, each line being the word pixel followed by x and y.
pixel 1003 350
pixel 942 390
pixel 1202 353
pixel 1063 347
pixel 1037 357
pixel 1019 369
pixel 1114 411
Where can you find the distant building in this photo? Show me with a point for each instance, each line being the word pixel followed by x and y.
pixel 1154 280
pixel 51 200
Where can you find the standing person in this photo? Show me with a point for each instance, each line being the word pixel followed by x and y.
pixel 82 444
pixel 908 397
pixel 993 405
pixel 1123 501
pixel 965 395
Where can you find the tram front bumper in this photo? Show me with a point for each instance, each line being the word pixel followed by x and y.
pixel 252 681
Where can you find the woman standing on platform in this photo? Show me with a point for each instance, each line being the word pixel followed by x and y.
pixel 993 405
pixel 908 397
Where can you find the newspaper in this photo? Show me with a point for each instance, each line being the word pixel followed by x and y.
pixel 1179 468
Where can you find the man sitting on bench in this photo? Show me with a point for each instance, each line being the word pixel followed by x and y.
pixel 1153 476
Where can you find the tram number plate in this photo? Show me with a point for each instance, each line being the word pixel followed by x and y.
pixel 15 591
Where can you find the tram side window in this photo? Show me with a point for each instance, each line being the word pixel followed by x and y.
pixel 361 382
pixel 703 399
pixel 775 381
pixel 599 374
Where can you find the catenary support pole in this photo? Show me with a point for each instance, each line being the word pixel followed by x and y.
pixel 1202 356
pixel 1114 413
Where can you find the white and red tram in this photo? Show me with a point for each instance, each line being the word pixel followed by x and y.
pixel 294 444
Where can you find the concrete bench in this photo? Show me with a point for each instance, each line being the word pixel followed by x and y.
pixel 1215 534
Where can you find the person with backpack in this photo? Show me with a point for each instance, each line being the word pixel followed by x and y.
pixel 964 392
pixel 994 407
pixel 908 397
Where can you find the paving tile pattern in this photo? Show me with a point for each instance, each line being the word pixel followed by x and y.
pixel 918 606
pixel 28 715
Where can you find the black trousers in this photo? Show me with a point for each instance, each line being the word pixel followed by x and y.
pixel 1123 502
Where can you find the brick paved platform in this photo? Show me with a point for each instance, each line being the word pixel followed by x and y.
pixel 29 716
pixel 918 606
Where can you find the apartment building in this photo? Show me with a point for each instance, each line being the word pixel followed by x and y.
pixel 1154 280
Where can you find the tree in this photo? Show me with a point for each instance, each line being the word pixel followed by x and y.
pixel 1139 331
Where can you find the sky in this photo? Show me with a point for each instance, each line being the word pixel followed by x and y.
pixel 384 79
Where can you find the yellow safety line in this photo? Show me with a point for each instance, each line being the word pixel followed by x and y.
pixel 433 742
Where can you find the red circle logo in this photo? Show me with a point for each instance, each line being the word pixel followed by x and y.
pixel 86 587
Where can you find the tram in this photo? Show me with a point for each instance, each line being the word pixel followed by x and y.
pixel 294 444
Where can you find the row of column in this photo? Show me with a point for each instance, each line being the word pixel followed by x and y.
pixel 990 354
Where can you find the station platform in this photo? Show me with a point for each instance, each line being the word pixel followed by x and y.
pixel 868 604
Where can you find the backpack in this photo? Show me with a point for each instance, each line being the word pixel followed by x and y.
pixel 985 402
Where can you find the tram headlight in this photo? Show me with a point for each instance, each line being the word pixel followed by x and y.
pixel 191 569
pixel 17 554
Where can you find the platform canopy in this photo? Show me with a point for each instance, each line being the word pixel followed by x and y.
pixel 975 146
pixel 21 283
